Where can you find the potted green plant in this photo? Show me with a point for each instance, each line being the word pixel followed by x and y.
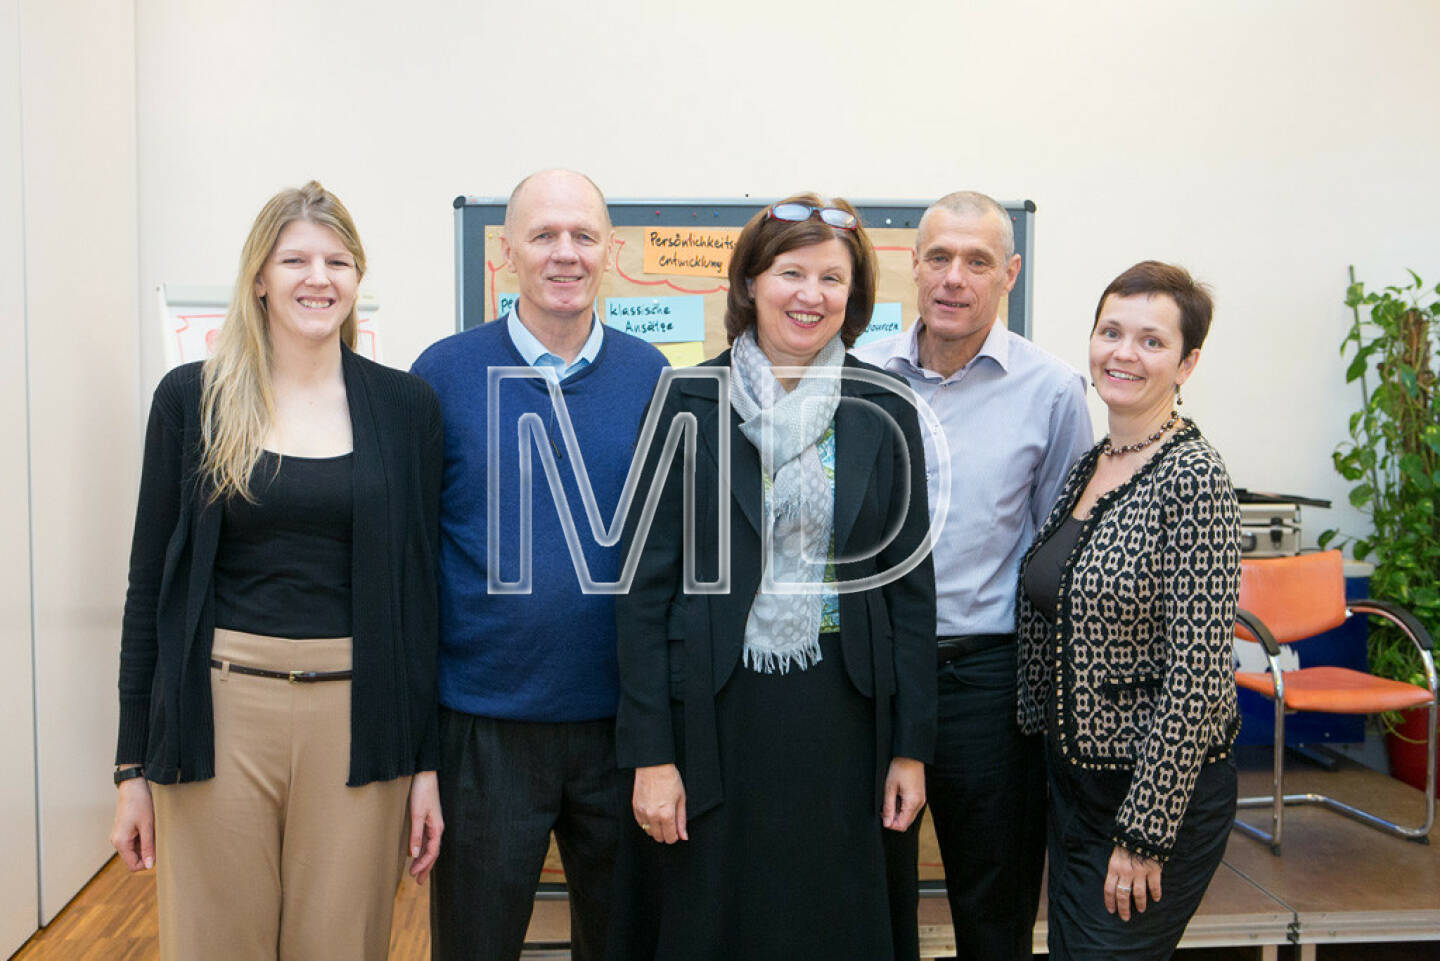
pixel 1392 458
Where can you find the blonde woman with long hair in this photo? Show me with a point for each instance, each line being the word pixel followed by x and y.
pixel 277 663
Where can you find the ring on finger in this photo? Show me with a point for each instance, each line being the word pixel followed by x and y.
pixel 644 827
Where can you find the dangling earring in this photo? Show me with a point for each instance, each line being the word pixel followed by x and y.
pixel 1179 401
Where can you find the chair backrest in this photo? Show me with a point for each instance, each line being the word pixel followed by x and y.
pixel 1296 597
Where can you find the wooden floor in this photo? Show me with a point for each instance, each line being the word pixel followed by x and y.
pixel 1337 886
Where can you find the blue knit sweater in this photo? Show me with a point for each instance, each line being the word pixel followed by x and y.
pixel 548 655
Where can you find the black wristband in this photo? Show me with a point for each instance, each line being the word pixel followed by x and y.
pixel 126 773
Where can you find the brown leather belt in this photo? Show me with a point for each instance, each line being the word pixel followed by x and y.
pixel 294 677
pixel 951 648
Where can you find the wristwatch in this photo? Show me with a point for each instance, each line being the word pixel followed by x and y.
pixel 126 773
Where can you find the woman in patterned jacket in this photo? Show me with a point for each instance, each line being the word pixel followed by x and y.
pixel 1126 607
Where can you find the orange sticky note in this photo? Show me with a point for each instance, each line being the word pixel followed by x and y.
pixel 688 251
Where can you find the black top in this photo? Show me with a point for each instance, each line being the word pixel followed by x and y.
pixel 1042 577
pixel 166 720
pixel 283 564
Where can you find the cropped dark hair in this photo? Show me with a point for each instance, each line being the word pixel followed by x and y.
pixel 1153 277
pixel 763 239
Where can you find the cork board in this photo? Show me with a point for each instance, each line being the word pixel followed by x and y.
pixel 666 279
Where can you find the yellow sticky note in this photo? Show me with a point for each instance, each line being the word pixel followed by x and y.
pixel 686 354
pixel 689 251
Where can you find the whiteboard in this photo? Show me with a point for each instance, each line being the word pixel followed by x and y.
pixel 190 319
pixel 687 289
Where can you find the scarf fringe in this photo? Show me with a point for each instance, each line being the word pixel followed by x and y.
pixel 771 662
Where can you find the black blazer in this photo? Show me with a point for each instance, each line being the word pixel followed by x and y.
pixel 685 646
pixel 166 720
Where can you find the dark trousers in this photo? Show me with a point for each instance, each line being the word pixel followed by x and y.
pixel 1082 808
pixel 986 792
pixel 504 786
pixel 902 880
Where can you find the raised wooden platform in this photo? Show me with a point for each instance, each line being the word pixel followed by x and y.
pixel 1235 913
pixel 1336 882
pixel 1345 882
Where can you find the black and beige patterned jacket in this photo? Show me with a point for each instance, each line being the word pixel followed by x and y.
pixel 1138 661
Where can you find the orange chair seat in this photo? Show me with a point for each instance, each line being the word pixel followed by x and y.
pixel 1337 690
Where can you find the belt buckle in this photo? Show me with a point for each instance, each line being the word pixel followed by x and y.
pixel 295 676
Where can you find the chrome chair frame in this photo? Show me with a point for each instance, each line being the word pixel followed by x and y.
pixel 1411 627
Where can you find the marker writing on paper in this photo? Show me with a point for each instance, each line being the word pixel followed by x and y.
pixel 638 310
pixel 688 240
pixel 698 261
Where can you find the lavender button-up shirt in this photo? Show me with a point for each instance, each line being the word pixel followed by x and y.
pixel 1015 420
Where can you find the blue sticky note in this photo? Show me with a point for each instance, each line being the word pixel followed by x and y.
pixel 503 304
pixel 884 321
pixel 660 320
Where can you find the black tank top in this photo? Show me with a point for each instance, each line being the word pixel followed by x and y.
pixel 1042 575
pixel 283 564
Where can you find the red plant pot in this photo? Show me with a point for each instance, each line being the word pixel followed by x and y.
pixel 1406 747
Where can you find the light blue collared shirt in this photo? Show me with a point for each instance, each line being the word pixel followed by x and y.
pixel 536 354
pixel 1015 419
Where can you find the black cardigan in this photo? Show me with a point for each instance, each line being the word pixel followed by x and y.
pixel 684 646
pixel 166 720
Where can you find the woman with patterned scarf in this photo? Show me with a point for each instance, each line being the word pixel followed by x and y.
pixel 777 643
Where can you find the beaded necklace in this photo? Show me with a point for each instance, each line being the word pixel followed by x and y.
pixel 1110 451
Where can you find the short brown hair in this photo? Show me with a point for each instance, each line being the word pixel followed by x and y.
pixel 764 239
pixel 1153 277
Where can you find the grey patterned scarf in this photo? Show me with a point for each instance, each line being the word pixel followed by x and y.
pixel 783 629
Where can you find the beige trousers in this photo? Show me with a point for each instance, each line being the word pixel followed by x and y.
pixel 274 857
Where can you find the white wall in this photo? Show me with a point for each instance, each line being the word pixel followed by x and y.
pixel 1264 145
pixel 18 893
pixel 78 143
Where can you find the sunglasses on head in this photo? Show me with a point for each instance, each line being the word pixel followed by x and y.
pixel 799 213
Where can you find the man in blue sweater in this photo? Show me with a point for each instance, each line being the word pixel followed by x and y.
pixel 528 677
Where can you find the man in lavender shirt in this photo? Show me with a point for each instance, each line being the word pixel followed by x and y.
pixel 1015 420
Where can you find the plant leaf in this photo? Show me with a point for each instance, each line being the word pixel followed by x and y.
pixel 1414 468
pixel 1356 370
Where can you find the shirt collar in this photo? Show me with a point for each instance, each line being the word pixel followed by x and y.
pixel 536 355
pixel 907 351
pixel 997 345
